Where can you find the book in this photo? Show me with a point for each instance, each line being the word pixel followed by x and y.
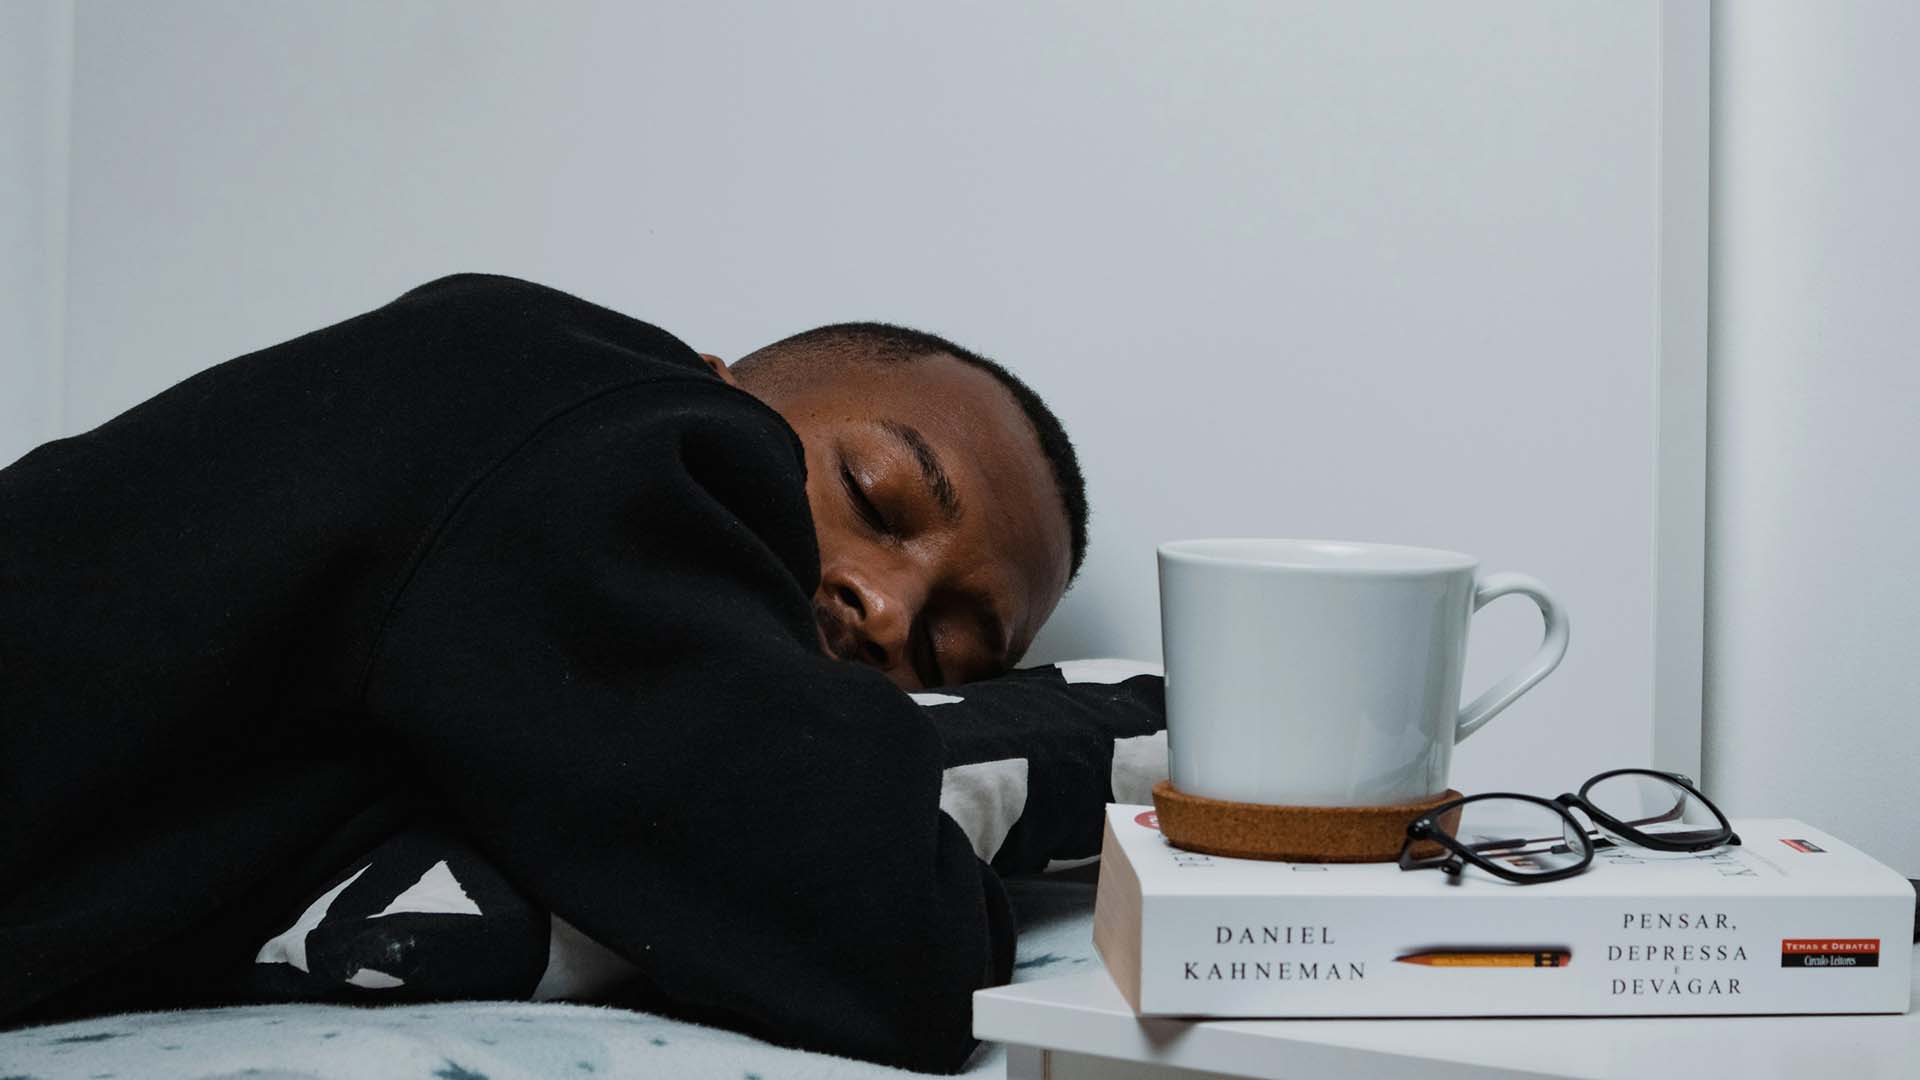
pixel 1790 921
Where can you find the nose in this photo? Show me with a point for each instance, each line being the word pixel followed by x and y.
pixel 879 611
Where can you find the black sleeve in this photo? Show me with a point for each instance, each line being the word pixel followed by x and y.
pixel 605 666
pixel 1033 758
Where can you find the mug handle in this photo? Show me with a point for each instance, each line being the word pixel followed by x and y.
pixel 1553 646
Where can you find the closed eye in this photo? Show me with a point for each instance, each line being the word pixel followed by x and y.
pixel 862 505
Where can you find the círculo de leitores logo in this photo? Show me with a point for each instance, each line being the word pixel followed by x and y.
pixel 1829 952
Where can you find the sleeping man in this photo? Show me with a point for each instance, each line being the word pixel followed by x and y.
pixel 631 634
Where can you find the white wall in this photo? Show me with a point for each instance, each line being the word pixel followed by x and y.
pixel 1385 271
pixel 35 66
pixel 1230 282
pixel 1813 676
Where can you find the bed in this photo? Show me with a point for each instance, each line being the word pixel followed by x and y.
pixel 495 1040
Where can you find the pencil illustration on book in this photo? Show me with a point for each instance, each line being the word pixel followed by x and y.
pixel 1489 956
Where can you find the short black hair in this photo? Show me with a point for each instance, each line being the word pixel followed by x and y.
pixel 878 342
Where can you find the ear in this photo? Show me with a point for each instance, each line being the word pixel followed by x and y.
pixel 719 368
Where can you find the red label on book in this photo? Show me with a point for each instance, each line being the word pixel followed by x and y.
pixel 1830 945
pixel 1148 818
pixel 1829 952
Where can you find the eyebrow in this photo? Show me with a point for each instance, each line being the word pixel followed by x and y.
pixel 931 470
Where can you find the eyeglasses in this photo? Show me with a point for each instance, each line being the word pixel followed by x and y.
pixel 1529 840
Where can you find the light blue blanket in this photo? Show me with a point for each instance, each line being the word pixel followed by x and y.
pixel 490 1040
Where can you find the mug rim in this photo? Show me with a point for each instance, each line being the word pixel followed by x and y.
pixel 1417 561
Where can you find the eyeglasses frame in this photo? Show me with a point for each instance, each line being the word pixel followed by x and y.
pixel 1425 829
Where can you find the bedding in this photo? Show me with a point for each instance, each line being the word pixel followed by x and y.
pixel 498 1040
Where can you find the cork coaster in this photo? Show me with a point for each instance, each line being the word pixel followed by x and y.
pixel 1335 834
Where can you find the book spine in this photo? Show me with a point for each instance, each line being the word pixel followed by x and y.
pixel 1484 956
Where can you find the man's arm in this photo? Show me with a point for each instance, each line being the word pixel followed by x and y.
pixel 604 665
pixel 1034 757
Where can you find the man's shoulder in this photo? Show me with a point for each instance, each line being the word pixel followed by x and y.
pixel 552 352
pixel 475 285
pixel 500 310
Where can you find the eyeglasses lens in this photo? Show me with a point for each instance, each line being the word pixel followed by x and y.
pixel 1655 806
pixel 1523 836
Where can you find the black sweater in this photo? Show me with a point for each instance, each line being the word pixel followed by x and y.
pixel 496 548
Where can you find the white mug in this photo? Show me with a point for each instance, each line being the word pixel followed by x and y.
pixel 1325 673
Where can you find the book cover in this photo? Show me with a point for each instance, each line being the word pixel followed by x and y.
pixel 1791 921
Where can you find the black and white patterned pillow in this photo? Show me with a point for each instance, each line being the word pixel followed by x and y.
pixel 422 917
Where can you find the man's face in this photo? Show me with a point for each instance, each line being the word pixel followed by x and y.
pixel 943 543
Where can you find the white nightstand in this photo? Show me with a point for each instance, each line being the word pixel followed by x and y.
pixel 1079 1027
